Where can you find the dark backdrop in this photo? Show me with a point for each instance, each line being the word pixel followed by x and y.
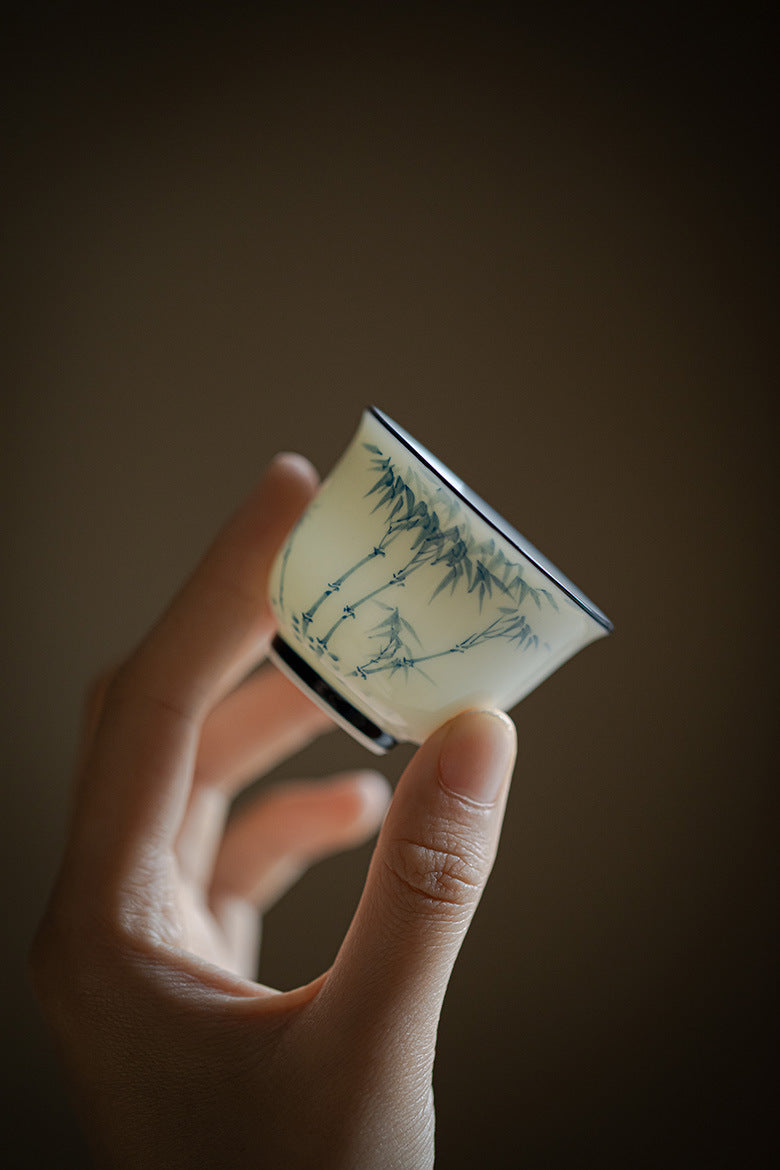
pixel 543 246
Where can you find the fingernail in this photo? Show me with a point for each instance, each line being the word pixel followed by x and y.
pixel 298 462
pixel 477 755
pixel 375 793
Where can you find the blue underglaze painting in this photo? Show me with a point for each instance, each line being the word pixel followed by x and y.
pixel 439 536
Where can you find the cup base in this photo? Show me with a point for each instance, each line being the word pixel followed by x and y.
pixel 341 711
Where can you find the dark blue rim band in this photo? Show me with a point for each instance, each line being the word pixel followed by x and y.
pixel 491 517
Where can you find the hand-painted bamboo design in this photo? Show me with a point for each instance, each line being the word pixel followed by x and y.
pixel 511 625
pixel 481 566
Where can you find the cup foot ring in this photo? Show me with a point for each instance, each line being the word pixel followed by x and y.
pixel 329 700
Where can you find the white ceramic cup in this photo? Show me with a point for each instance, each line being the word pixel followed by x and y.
pixel 402 598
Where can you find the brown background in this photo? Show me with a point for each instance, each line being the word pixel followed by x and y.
pixel 543 248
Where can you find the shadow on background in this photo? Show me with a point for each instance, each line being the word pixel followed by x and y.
pixel 542 249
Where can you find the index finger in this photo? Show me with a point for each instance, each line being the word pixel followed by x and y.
pixel 137 777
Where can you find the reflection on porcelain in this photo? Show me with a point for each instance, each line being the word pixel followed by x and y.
pixel 402 598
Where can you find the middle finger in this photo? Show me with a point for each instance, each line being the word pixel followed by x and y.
pixel 258 725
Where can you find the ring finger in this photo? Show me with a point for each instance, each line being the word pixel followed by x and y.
pixel 268 845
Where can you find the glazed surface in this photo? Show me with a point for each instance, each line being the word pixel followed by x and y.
pixel 408 602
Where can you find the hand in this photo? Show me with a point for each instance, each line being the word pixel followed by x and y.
pixel 143 960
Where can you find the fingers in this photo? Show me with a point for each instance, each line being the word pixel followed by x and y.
pixel 262 722
pixel 221 619
pixel 136 782
pixel 92 710
pixel 430 865
pixel 268 845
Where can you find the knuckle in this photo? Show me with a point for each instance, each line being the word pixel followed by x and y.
pixel 124 681
pixel 221 586
pixel 225 587
pixel 134 685
pixel 443 873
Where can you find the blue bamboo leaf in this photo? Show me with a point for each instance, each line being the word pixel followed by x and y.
pixel 383 481
pixel 469 567
pixel 386 498
pixel 480 578
pixel 371 447
pixel 410 629
pixel 499 584
pixel 550 598
pixel 448 579
pixel 385 625
pixel 425 675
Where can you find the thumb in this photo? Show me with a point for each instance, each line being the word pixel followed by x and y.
pixel 430 865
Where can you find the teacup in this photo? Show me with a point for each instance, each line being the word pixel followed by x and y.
pixel 402 598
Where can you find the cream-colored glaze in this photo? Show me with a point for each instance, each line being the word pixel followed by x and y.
pixel 341 528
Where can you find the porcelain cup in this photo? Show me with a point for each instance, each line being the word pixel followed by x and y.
pixel 402 598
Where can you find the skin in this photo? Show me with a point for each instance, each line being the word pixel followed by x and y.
pixel 144 959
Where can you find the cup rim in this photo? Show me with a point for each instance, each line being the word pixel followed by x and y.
pixel 491 517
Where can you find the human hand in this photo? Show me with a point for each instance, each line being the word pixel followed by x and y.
pixel 143 960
